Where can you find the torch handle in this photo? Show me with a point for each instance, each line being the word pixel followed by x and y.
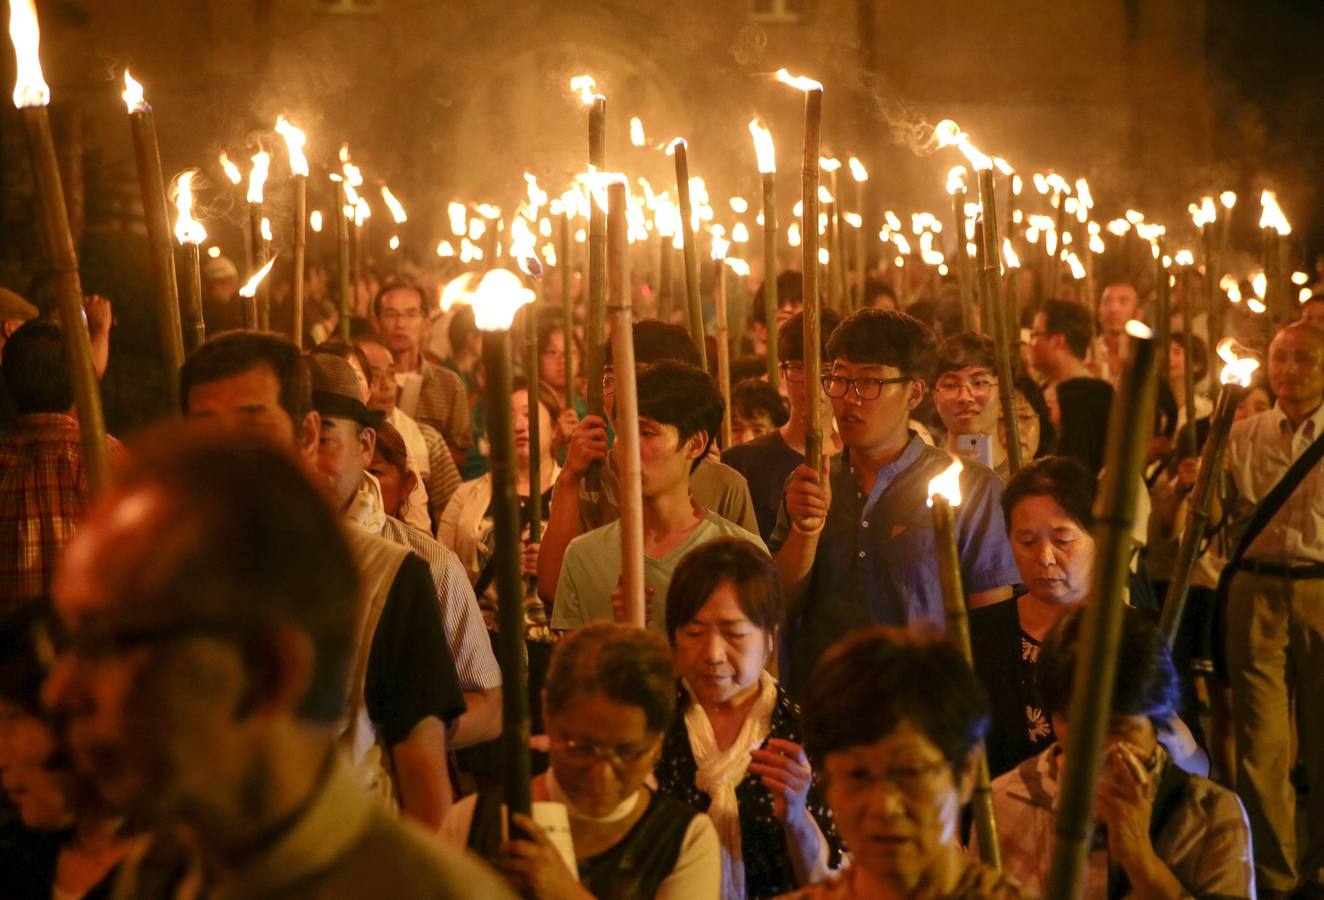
pixel 160 249
pixel 568 307
pixel 58 241
pixel 516 767
pixel 1188 362
pixel 997 308
pixel 813 301
pixel 962 259
pixel 693 301
pixel 194 328
pixel 533 377
pixel 770 299
pixel 1197 515
pixel 723 352
pixel 342 257
pixel 1163 313
pixel 300 251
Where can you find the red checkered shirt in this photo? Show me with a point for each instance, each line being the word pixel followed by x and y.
pixel 43 495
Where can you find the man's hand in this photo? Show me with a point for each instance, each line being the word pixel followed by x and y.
pixel 618 610
pixel 529 559
pixel 786 774
pixel 99 315
pixel 566 422
pixel 588 444
pixel 808 498
pixel 1125 803
pixel 1187 470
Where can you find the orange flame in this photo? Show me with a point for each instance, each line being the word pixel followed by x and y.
pixel 294 141
pixel 30 88
pixel 586 87
pixel 231 170
pixel 947 484
pixel 948 134
pixel 799 82
pixel 1273 217
pixel 397 210
pixel 1239 368
pixel 257 176
pixel 250 288
pixel 764 149
pixel 133 95
pixel 187 229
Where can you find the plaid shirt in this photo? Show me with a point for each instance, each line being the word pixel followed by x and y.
pixel 43 495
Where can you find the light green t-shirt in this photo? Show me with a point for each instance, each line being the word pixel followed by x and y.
pixel 592 566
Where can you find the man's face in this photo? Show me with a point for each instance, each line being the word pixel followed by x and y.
pixel 663 459
pixel 249 401
pixel 967 400
pixel 344 451
pixel 787 308
pixel 745 429
pixel 1117 306
pixel 222 289
pixel 381 376
pixel 1313 313
pixel 869 425
pixel 1043 354
pixel 1296 366
pixel 793 385
pixel 152 696
pixel 400 321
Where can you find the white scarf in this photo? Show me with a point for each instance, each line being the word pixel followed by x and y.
pixel 721 771
pixel 366 509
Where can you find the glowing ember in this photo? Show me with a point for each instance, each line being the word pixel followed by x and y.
pixel 1228 199
pixel 829 164
pixel 739 205
pixel 250 288
pixel 1299 278
pixel 740 234
pixel 257 176
pixel 294 141
pixel 853 219
pixel 394 242
pixel 739 266
pixel 458 214
pixel 1231 287
pixel 187 229
pixel 823 256
pixel 948 134
pixel 1255 306
pixel 1259 283
pixel 720 246
pixel 397 210
pixel 947 484
pixel 1184 258
pixel 793 234
pixel 30 88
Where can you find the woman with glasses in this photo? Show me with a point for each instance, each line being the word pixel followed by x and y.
pixel 609 700
pixel 734 749
pixel 892 722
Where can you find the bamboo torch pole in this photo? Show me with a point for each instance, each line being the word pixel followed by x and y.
pixel 495 302
pixel 944 496
pixel 860 176
pixel 190 233
pixel 961 259
pixel 147 155
pixel 664 296
pixel 344 212
pixel 1188 361
pixel 31 96
pixel 626 408
pixel 534 378
pixel 1092 693
pixel 813 303
pixel 1162 312
pixel 594 324
pixel 723 336
pixel 257 179
pixel 991 278
pixel 1235 380
pixel 566 267
pixel 685 227
pixel 766 154
pixel 294 142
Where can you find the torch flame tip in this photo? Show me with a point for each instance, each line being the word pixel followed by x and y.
pixel 947 484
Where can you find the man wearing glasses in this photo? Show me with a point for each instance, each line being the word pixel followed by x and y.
pixel 767 462
pixel 858 549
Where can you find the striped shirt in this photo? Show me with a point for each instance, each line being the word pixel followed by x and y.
pixel 435 396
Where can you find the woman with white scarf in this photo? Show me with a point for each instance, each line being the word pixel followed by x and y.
pixel 733 750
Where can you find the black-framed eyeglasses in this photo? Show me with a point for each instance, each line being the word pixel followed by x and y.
pixel 835 386
pixel 586 753
pixel 794 372
pixel 94 643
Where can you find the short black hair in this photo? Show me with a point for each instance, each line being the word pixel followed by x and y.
pixel 236 352
pixel 461 327
pixel 735 560
pixel 791 336
pixel 754 397
pixel 873 289
pixel 868 683
pixel 252 541
pixel 36 370
pixel 1199 353
pixel 748 366
pixel 686 397
pixel 884 337
pixel 790 289
pixel 631 666
pixel 1145 683
pixel 1028 388
pixel 1071 485
pixel 963 350
pixel 392 286
pixel 1071 320
pixel 656 341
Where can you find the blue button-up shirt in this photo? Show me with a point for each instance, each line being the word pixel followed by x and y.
pixel 876 563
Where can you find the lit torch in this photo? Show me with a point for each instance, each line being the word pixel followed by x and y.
pixel 1273 228
pixel 160 249
pixel 31 96
pixel 595 318
pixel 813 302
pixel 1235 380
pixel 765 153
pixel 956 187
pixel 294 144
pixel 190 233
pixel 679 149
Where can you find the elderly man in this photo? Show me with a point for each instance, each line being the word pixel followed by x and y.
pixel 344 453
pixel 207 624
pixel 403 678
pixel 1275 619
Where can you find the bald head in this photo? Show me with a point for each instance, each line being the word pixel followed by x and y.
pixel 1296 368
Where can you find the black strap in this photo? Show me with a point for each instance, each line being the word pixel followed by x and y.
pixel 1273 501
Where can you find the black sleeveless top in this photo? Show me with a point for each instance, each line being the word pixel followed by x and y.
pixel 632 867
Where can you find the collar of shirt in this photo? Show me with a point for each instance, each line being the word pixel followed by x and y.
pixel 47 422
pixel 1309 428
pixel 884 477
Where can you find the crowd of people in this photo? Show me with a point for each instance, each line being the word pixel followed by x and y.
pixel 262 662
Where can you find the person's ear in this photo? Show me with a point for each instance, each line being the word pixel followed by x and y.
pixel 308 434
pixel 408 483
pixel 697 445
pixel 915 394
pixel 367 444
pixel 280 661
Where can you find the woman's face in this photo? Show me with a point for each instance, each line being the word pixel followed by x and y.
pixel 396 485
pixel 552 368
pixel 897 804
pixel 1255 402
pixel 1027 427
pixel 26 746
pixel 720 652
pixel 601 752
pixel 1053 552
pixel 519 407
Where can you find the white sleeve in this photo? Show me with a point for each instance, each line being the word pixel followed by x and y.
pixel 455 827
pixel 416 504
pixel 698 871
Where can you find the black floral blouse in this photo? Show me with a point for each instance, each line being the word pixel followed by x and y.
pixel 768 870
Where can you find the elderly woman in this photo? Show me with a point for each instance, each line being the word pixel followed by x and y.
pixel 734 749
pixel 1169 833
pixel 609 700
pixel 892 721
pixel 66 843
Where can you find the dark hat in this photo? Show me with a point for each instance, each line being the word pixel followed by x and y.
pixel 336 390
